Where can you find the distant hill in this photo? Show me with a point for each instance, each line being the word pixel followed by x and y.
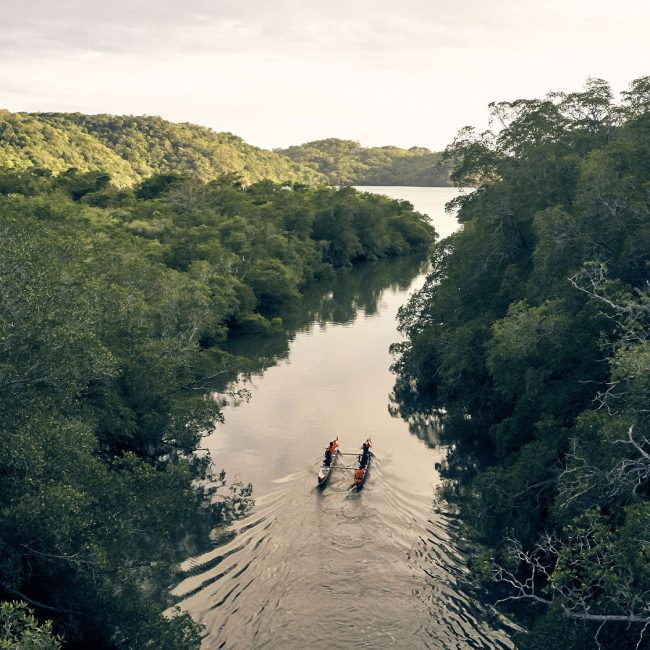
pixel 346 162
pixel 132 148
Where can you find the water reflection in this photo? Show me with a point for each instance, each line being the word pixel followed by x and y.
pixel 375 569
pixel 338 301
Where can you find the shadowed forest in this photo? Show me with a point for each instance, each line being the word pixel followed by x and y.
pixel 529 344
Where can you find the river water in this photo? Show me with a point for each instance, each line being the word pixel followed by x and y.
pixel 309 567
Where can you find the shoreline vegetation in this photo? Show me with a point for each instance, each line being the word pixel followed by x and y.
pixel 528 345
pixel 116 307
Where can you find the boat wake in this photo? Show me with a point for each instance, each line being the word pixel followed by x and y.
pixel 309 567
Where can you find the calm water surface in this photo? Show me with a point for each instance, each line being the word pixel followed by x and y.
pixel 310 567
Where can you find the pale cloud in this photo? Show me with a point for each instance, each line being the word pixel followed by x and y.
pixel 278 72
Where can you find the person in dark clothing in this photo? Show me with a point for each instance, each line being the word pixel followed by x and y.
pixel 328 457
pixel 365 453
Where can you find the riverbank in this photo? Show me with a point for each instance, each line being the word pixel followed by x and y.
pixel 305 557
pixel 116 307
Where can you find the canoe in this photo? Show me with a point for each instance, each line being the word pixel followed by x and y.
pixel 325 470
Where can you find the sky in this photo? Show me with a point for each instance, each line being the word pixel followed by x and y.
pixel 282 72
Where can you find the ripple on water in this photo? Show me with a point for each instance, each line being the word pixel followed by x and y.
pixel 336 568
pixel 372 569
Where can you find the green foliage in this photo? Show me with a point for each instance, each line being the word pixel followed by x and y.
pixel 19 629
pixel 130 149
pixel 28 141
pixel 345 162
pixel 115 310
pixel 529 343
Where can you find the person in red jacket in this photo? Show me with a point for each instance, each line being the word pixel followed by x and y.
pixel 329 451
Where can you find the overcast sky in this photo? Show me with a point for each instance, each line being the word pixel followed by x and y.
pixel 281 72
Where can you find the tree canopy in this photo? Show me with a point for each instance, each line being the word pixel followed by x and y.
pixel 529 344
pixel 115 309
pixel 132 148
pixel 346 162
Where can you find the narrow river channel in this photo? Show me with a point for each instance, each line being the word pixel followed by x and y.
pixel 313 568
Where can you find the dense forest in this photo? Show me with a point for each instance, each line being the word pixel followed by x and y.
pixel 116 308
pixel 528 347
pixel 346 162
pixel 131 149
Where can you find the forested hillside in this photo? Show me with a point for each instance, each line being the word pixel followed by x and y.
pixel 529 345
pixel 345 162
pixel 133 148
pixel 115 307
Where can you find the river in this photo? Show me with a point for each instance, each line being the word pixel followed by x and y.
pixel 309 567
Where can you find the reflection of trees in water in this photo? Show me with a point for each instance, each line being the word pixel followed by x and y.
pixel 339 300
pixel 354 290
pixel 425 427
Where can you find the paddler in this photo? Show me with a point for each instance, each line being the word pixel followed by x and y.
pixel 329 451
pixel 365 453
pixel 358 475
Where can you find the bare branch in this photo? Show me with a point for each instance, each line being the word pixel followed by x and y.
pixel 633 442
pixel 537 567
pixel 36 603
